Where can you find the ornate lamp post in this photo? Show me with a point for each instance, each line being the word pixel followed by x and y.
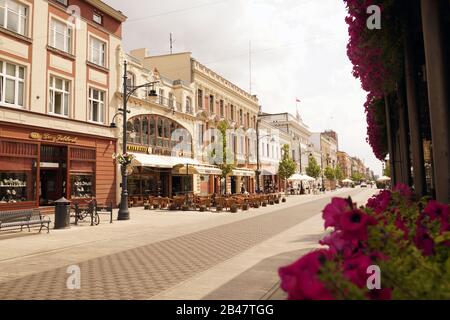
pixel 128 90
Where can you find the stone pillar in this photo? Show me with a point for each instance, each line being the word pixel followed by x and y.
pixel 436 62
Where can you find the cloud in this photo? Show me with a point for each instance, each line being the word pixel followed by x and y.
pixel 298 50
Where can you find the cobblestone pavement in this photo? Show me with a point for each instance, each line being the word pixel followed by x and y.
pixel 145 271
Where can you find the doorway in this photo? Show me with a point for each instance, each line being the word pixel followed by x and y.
pixel 53 174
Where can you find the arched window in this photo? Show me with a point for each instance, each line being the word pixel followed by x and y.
pixel 145 131
pixel 160 133
pixel 129 131
pixel 137 130
pixel 152 130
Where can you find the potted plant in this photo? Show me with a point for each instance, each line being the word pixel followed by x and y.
pixel 233 208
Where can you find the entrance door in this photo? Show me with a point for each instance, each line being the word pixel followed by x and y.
pixel 52 174
pixel 233 184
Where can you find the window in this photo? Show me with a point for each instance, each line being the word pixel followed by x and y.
pixel 161 96
pixel 59 96
pixel 188 105
pixel 222 111
pixel 211 104
pixel 97 18
pixel 171 100
pixel 14 16
pixel 200 135
pixel 200 98
pixel 96 105
pixel 12 84
pixel 232 112
pixel 60 36
pixel 240 117
pixel 63 2
pixel 97 51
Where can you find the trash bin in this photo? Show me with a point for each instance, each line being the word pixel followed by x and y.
pixel 62 214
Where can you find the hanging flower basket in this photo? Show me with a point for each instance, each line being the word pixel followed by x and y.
pixel 123 159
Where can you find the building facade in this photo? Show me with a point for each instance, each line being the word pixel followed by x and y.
pixel 216 100
pixel 57 77
pixel 298 134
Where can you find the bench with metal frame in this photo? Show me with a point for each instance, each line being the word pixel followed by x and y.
pixel 24 218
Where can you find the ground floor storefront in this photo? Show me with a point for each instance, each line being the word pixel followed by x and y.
pixel 39 166
pixel 166 176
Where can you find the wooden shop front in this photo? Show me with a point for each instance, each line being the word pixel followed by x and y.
pixel 40 165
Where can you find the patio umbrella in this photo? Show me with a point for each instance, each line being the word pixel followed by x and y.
pixel 383 179
pixel 298 177
pixel 347 181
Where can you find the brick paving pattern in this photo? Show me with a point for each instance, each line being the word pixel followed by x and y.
pixel 145 271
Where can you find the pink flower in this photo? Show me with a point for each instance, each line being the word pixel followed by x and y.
pixel 436 210
pixel 400 224
pixel 380 202
pixel 404 190
pixel 355 270
pixel 300 279
pixel 338 245
pixel 333 210
pixel 424 242
pixel 354 223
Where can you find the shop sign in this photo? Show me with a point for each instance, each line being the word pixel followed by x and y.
pixel 53 137
pixel 142 149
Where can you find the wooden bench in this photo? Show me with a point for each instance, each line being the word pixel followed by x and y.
pixel 105 209
pixel 23 218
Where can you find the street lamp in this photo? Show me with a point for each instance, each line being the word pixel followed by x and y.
pixel 128 90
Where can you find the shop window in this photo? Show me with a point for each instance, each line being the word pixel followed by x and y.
pixel 12 84
pixel 82 185
pixel 60 36
pixel 96 105
pixel 14 16
pixel 18 185
pixel 59 96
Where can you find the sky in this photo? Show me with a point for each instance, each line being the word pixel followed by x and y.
pixel 298 50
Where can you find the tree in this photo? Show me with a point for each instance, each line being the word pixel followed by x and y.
pixel 313 169
pixel 221 156
pixel 287 166
pixel 357 177
pixel 329 173
pixel 387 170
pixel 338 173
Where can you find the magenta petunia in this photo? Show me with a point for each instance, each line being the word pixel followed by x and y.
pixel 333 211
pixel 354 223
pixel 300 279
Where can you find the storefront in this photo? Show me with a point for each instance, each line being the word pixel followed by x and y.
pixel 39 166
pixel 156 175
pixel 242 179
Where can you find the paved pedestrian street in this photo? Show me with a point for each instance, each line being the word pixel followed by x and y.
pixel 165 255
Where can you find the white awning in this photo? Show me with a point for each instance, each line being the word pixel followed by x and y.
pixel 157 161
pixel 197 169
pixel 243 173
pixel 269 171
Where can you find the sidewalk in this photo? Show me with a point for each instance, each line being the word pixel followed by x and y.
pixel 149 232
